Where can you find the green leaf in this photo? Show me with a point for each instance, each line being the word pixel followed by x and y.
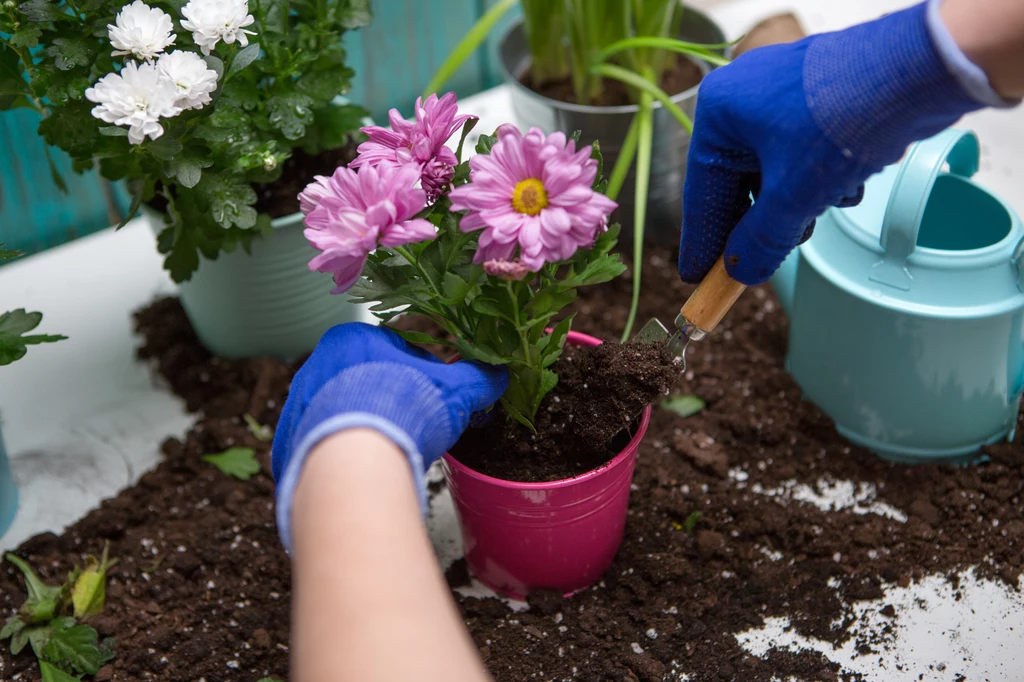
pixel 479 353
pixel 37 636
pixel 89 588
pixel 113 131
pixel 71 52
pixel 9 254
pixel 13 626
pixel 488 306
pixel 26 37
pixel 421 338
pixel 548 380
pixel 75 648
pixel 231 200
pixel 484 144
pixel 164 147
pixel 454 287
pixel 683 405
pixel 42 599
pixel 52 673
pixel 43 11
pixel 467 127
pixel 517 415
pixel 238 462
pixel 14 326
pixel 290 113
pixel 354 14
pixel 552 345
pixel 691 522
pixel 244 58
pixel 188 170
pixel 260 432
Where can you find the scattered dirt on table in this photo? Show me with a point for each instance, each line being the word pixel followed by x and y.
pixel 680 77
pixel 202 587
pixel 587 419
pixel 281 198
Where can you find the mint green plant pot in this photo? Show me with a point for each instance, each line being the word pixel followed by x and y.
pixel 266 302
pixel 8 490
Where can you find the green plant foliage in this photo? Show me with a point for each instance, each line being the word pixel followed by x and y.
pixel 260 432
pixel 273 97
pixel 14 336
pixel 691 522
pixel 238 462
pixel 489 319
pixel 683 405
pixel 64 648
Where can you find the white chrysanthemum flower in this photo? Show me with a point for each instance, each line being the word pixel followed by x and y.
pixel 194 80
pixel 141 30
pixel 137 97
pixel 212 21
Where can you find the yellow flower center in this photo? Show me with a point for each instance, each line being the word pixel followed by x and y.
pixel 529 197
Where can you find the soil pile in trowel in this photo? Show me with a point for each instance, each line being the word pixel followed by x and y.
pixel 586 420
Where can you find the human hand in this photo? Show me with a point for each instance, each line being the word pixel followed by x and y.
pixel 366 376
pixel 801 127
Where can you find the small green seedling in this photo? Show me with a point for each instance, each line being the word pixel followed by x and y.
pixel 691 522
pixel 65 649
pixel 260 432
pixel 238 462
pixel 683 405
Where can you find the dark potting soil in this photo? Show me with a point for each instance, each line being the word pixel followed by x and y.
pixel 202 587
pixel 280 198
pixel 587 419
pixel 680 77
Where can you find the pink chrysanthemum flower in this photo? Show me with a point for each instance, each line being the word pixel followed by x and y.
pixel 534 192
pixel 421 141
pixel 351 213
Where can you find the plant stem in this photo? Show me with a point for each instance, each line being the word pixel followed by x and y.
pixel 705 52
pixel 645 143
pixel 645 85
pixel 624 161
pixel 468 45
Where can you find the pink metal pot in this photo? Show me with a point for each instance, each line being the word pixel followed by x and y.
pixel 559 535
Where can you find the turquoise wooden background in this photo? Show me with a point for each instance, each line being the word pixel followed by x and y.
pixel 393 58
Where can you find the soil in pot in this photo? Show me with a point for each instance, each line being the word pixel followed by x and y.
pixel 584 422
pixel 680 77
pixel 281 198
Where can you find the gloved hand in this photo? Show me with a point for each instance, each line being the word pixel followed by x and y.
pixel 802 126
pixel 365 376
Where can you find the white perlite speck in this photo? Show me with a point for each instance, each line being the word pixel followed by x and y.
pixel 637 649
pixel 652 634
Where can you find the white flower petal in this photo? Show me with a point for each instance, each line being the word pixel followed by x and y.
pixel 212 21
pixel 193 79
pixel 137 97
pixel 141 30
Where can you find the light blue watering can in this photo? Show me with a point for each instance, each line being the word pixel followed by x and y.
pixel 907 311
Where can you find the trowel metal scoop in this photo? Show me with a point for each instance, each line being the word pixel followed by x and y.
pixel 699 316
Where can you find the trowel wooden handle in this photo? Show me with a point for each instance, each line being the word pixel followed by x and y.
pixel 712 299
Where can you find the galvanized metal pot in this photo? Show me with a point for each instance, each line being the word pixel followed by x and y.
pixel 610 124
pixel 266 302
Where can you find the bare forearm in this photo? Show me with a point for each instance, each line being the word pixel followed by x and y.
pixel 991 34
pixel 370 602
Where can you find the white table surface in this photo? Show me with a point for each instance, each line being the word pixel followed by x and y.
pixel 82 419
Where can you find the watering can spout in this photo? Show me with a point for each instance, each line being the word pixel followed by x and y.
pixel 784 281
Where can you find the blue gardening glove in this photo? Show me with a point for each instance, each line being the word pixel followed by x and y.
pixel 802 126
pixel 365 376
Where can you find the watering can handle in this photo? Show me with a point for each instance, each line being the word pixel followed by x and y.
pixel 709 302
pixel 913 186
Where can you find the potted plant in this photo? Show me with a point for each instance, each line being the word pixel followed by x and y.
pixel 211 129
pixel 492 250
pixel 15 338
pixel 624 71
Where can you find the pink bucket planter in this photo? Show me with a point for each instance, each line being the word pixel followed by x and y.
pixel 558 535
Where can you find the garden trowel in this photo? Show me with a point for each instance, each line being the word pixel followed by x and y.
pixel 701 313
